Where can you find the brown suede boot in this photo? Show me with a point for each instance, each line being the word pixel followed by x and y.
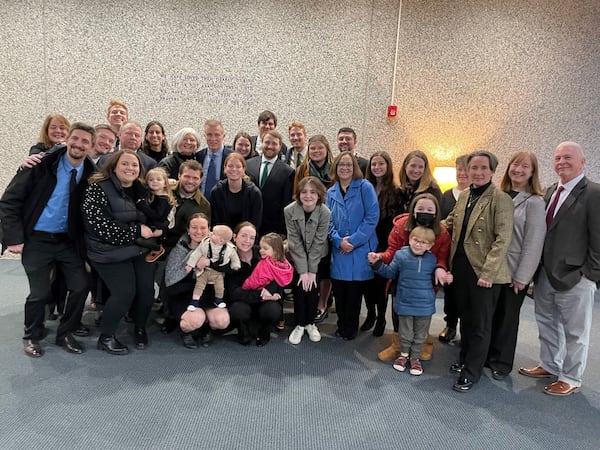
pixel 393 351
pixel 427 351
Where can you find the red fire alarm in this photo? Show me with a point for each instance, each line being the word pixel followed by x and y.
pixel 392 111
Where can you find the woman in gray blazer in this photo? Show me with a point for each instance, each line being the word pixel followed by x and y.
pixel 307 222
pixel 521 182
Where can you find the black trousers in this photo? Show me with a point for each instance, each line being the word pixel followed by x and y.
pixel 305 303
pixel 450 306
pixel 255 319
pixel 476 306
pixel 41 253
pixel 348 298
pixel 375 295
pixel 131 285
pixel 505 328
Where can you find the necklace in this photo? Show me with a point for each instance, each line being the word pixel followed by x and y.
pixel 473 197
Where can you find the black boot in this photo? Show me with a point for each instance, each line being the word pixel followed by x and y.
pixel 379 327
pixel 380 324
pixel 203 335
pixel 370 320
pixel 244 336
pixel 188 340
pixel 111 345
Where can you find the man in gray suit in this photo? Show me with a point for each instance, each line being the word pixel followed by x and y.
pixel 570 269
pixel 275 180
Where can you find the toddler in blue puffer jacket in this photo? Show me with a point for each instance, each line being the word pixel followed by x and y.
pixel 413 266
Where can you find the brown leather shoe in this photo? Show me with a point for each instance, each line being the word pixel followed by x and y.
pixel 560 389
pixel 154 254
pixel 32 348
pixel 536 372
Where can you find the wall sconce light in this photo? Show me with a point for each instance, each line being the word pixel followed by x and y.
pixel 445 177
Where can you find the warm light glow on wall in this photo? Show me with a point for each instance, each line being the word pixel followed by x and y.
pixel 445 177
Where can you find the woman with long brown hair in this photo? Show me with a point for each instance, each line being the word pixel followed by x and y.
pixel 380 172
pixel 521 181
pixel 112 224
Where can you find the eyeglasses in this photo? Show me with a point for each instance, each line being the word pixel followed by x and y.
pixel 345 165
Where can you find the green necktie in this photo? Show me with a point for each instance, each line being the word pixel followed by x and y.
pixel 298 160
pixel 265 174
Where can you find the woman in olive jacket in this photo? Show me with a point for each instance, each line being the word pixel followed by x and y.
pixel 481 227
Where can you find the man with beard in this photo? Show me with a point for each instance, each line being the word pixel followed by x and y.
pixel 189 201
pixel 275 179
pixel 297 152
pixel 346 142
pixel 41 219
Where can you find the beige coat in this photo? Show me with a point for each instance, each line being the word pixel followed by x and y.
pixel 488 234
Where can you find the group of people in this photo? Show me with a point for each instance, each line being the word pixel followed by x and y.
pixel 113 210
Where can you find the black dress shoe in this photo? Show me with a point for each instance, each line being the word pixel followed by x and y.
pixel 111 345
pixel 463 384
pixel 321 316
pixel 141 338
pixel 499 375
pixel 369 321
pixel 32 348
pixel 81 331
pixel 350 337
pixel 379 327
pixel 456 368
pixel 261 342
pixel 447 334
pixel 71 345
pixel 188 341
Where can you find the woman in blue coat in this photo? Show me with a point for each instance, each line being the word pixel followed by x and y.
pixel 354 216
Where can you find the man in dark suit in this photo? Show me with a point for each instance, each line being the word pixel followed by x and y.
pixel 346 142
pixel 266 122
pixel 297 152
pixel 569 271
pixel 275 179
pixel 212 157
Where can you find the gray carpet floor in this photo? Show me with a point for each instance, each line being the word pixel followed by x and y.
pixel 327 395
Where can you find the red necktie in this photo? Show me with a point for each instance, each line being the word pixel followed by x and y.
pixel 550 213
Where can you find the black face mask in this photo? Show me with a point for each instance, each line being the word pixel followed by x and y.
pixel 425 219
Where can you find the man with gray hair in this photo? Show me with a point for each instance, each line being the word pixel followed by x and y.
pixel 130 138
pixel 570 268
pixel 212 157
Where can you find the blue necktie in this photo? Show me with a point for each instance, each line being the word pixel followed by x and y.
pixel 211 177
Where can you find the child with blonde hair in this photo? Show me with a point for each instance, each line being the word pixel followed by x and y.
pixel 413 266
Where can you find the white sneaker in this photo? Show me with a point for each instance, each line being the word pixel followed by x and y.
pixel 313 333
pixel 296 335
